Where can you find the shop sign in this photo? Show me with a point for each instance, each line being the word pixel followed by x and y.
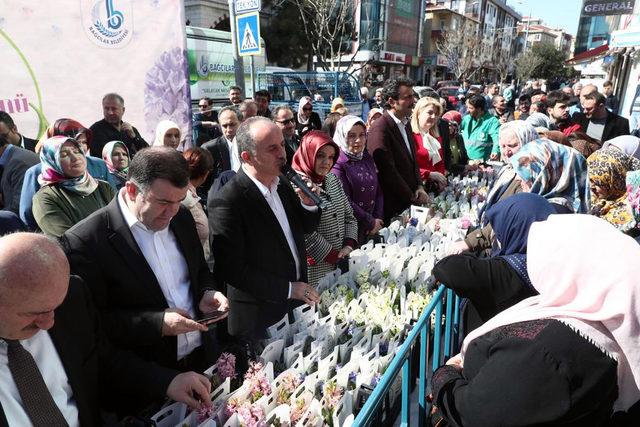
pixel 607 7
pixel 442 61
pixel 393 57
pixel 625 38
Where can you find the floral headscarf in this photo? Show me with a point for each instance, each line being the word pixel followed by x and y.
pixel 343 127
pixel 556 172
pixel 633 194
pixel 161 129
pixel 52 173
pixel 608 169
pixel 65 127
pixel 107 151
pixel 304 101
pixel 304 160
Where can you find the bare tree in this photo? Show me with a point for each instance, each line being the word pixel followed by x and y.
pixel 527 64
pixel 462 48
pixel 330 29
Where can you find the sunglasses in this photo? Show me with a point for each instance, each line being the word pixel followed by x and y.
pixel 286 121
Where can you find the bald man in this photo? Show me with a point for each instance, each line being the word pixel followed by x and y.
pixel 56 366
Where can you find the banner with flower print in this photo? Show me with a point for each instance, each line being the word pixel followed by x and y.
pixel 60 58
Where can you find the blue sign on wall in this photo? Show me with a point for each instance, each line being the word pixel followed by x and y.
pixel 248 34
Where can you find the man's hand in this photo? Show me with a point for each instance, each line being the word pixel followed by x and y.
pixel 303 197
pixel 128 129
pixel 344 252
pixel 377 226
pixel 494 156
pixel 457 248
pixel 190 388
pixel 420 197
pixel 439 179
pixel 213 301
pixel 456 362
pixel 177 321
pixel 304 292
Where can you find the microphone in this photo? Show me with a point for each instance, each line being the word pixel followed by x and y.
pixel 293 177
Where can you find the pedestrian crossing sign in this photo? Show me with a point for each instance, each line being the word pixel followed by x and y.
pixel 248 34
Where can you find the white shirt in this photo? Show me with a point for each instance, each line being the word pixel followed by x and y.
pixel 48 361
pixel 275 203
pixel 234 156
pixel 161 251
pixel 403 130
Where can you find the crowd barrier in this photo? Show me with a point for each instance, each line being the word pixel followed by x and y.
pixel 437 350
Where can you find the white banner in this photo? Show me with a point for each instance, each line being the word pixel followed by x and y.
pixel 60 57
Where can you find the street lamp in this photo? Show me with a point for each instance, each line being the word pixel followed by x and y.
pixel 526 31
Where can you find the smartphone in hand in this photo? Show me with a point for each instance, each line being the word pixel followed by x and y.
pixel 213 317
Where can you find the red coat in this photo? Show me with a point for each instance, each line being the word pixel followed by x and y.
pixel 424 161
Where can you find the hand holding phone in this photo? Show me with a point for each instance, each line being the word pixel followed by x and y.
pixel 213 317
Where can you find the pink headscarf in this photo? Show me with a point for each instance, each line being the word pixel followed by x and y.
pixel 599 300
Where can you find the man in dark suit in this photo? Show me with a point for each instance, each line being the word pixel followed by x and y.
pixel 113 128
pixel 392 146
pixel 142 259
pixel 258 225
pixel 284 118
pixel 56 365
pixel 598 122
pixel 9 130
pixel 14 162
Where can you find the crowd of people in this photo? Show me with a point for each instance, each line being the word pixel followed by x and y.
pixel 156 258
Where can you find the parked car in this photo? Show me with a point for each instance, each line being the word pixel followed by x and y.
pixel 447 83
pixel 450 93
pixel 422 90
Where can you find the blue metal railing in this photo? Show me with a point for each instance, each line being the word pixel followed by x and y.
pixel 402 360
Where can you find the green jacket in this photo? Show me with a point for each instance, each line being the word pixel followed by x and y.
pixel 480 136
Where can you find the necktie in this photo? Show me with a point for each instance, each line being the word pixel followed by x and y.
pixel 36 399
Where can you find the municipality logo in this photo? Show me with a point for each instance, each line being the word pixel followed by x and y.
pixel 108 23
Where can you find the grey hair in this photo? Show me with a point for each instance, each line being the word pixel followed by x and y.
pixel 115 96
pixel 244 135
pixel 523 131
pixel 235 110
pixel 280 108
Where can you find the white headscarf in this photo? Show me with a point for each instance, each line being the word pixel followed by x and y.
pixel 343 127
pixel 599 300
pixel 161 129
pixel 539 120
pixel 628 144
pixel 303 101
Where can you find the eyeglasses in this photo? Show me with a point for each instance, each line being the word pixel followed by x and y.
pixel 203 105
pixel 286 121
pixel 307 108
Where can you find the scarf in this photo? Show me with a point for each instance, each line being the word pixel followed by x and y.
pixel 432 145
pixel 344 125
pixel 52 173
pixel 336 103
pixel 107 151
pixel 598 300
pixel 304 159
pixel 608 170
pixel 304 101
pixel 628 144
pixel 161 129
pixel 633 194
pixel 539 120
pixel 556 172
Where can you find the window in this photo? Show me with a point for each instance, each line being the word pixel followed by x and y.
pixel 443 25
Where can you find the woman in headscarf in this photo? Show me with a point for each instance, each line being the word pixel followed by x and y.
pixel 337 232
pixel 628 144
pixel 116 155
pixel 539 120
pixel 97 168
pixel 306 119
pixel 607 175
pixel 336 104
pixel 459 159
pixel 633 198
pixel 496 283
pixel 357 172
pixel 566 357
pixel 168 135
pixel 428 142
pixel 68 194
pixel 374 114
pixel 200 163
pixel 512 137
pixel 556 172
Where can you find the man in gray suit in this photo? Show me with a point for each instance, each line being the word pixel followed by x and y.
pixel 14 162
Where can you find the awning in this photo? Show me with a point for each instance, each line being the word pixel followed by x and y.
pixel 589 55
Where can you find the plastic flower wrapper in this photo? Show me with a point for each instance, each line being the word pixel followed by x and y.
pixel 362 277
pixel 299 406
pixel 205 413
pixel 375 380
pixel 331 395
pixel 351 382
pixel 289 383
pixel 257 380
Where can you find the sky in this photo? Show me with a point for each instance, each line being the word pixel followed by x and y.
pixel 554 13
